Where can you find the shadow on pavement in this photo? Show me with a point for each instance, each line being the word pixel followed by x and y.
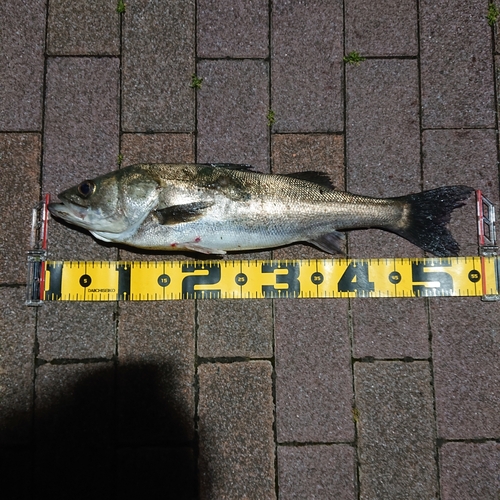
pixel 118 432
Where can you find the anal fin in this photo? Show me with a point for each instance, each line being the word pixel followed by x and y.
pixel 331 242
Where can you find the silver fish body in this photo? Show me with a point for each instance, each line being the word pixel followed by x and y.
pixel 214 209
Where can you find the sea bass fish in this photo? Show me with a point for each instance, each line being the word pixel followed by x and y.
pixel 217 208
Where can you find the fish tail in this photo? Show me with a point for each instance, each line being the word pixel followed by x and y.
pixel 428 215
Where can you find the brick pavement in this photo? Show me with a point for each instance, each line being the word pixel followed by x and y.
pixel 346 399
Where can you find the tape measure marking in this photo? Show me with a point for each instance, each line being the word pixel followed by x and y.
pixel 257 279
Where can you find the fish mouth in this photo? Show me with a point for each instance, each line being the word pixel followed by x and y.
pixel 69 214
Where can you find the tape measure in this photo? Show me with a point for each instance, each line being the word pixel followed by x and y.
pixel 477 276
pixel 260 279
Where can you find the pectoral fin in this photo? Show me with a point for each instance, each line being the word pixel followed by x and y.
pixel 182 213
pixel 332 242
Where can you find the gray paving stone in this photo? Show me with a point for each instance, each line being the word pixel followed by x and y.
pixel 456 67
pixel 156 372
pixel 233 104
pixel 303 152
pixel 80 140
pixel 395 430
pixel 17 343
pixel 157 148
pixel 74 429
pixel 383 144
pixel 81 120
pixel 466 376
pixel 240 328
pixel 20 180
pixel 157 64
pixel 469 470
pixel 383 137
pixel 76 330
pixel 233 28
pixel 236 430
pixel 306 86
pixel 381 29
pixel 313 375
pixel 317 471
pixel 156 473
pixel 90 29
pixel 73 405
pixel 22 63
pixel 79 472
pixel 462 157
pixel 390 328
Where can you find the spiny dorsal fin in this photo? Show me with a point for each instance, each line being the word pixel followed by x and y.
pixel 182 213
pixel 313 176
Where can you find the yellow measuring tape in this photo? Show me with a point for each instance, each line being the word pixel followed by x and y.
pixel 259 279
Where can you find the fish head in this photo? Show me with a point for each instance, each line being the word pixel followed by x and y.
pixel 113 203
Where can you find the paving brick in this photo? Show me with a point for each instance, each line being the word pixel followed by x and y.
pixel 317 471
pixel 17 343
pixel 383 144
pixel 81 120
pixel 313 374
pixel 395 430
pixel 20 178
pixel 77 473
pixel 307 51
pixel 236 430
pixel 158 61
pixel 233 29
pixel 156 473
pixel 157 148
pixel 383 29
pixel 457 82
pixel 76 330
pixel 383 138
pixel 469 470
pixel 91 29
pixel 22 63
pixel 156 372
pixel 235 328
pixel 390 328
pixel 233 104
pixel 466 376
pixel 462 157
pixel 303 152
pixel 80 140
pixel 74 430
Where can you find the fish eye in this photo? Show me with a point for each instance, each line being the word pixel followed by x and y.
pixel 86 188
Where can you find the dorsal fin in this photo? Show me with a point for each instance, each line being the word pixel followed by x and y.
pixel 320 178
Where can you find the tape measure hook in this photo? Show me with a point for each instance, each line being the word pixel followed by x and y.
pixel 37 254
pixel 487 238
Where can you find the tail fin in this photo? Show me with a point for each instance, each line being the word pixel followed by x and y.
pixel 430 212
